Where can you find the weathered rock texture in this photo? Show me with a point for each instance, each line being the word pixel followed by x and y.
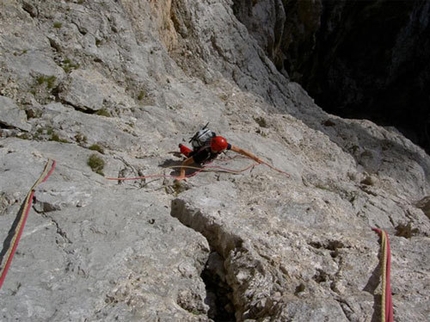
pixel 127 81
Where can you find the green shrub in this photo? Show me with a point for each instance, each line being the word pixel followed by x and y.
pixel 141 96
pixel 48 80
pixel 103 112
pixel 261 121
pixel 96 164
pixel 55 137
pixel 68 65
pixel 81 138
pixel 98 148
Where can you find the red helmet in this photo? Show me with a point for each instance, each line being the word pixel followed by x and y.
pixel 218 143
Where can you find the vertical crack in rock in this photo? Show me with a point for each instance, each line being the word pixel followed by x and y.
pixel 238 284
pixel 59 230
pixel 43 208
pixel 218 291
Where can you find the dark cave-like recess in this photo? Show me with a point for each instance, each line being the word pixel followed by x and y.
pixel 357 59
pixel 219 293
pixel 374 65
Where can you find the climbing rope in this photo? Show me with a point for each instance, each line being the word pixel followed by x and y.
pixel 198 170
pixel 386 301
pixel 205 168
pixel 11 242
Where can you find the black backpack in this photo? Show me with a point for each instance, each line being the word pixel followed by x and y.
pixel 202 137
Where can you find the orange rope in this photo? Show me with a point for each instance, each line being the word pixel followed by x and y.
pixel 386 301
pixel 276 169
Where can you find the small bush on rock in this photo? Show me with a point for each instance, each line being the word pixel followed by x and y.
pixel 96 164
pixel 261 121
pixel 98 148
pixel 103 112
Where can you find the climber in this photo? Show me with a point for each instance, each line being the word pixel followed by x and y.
pixel 206 147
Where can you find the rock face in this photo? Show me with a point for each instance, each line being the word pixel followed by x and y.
pixel 365 59
pixel 108 90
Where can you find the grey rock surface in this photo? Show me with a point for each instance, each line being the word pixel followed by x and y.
pixel 11 116
pixel 126 81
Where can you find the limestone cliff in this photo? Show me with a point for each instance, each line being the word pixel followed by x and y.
pixel 108 89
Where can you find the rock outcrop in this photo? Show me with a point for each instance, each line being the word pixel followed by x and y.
pixel 108 90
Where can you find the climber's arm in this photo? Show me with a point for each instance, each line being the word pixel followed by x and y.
pixel 246 153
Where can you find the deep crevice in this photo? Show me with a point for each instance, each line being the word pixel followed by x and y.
pixel 218 292
pixel 6 126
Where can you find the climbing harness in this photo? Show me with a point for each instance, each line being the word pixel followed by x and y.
pixel 386 302
pixel 11 242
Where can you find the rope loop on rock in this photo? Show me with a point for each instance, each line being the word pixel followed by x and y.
pixel 11 243
pixel 200 169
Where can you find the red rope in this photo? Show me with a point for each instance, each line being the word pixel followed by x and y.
pixel 22 216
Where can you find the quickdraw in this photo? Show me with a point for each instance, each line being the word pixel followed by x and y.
pixel 12 240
